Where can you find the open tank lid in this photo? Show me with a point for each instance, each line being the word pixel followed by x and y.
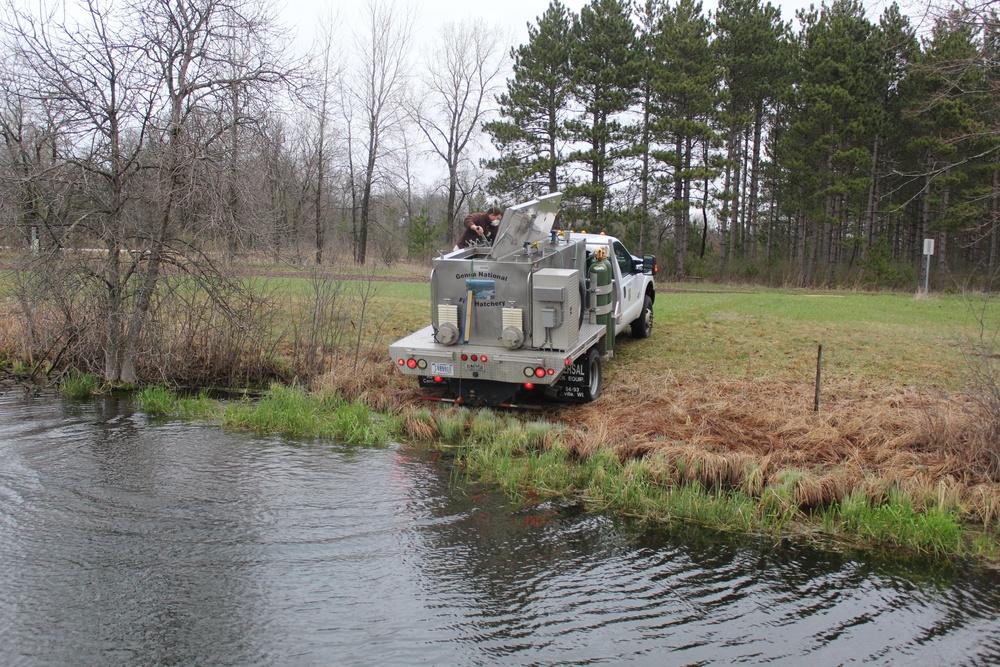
pixel 529 222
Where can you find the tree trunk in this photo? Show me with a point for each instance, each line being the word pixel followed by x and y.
pixel 318 222
pixel 361 246
pixel 704 206
pixel 994 230
pixel 941 251
pixel 744 187
pixel 730 207
pixel 755 179
pixel 644 177
pixel 679 227
pixel 871 212
pixel 232 216
pixel 829 246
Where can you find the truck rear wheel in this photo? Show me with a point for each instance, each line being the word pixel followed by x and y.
pixel 593 370
pixel 642 326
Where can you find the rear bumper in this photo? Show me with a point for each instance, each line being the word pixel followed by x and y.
pixel 431 359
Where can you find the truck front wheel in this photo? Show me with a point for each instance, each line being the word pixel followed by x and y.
pixel 642 326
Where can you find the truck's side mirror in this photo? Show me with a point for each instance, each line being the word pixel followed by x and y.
pixel 649 265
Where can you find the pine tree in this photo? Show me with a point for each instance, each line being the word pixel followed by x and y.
pixel 755 50
pixel 898 46
pixel 529 135
pixel 828 146
pixel 951 143
pixel 650 16
pixel 685 99
pixel 605 74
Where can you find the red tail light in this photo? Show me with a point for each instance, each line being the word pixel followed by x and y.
pixel 412 363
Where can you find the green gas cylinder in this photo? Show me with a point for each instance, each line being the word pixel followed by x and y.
pixel 600 275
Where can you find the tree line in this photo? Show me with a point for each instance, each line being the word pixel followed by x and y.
pixel 148 140
pixel 739 145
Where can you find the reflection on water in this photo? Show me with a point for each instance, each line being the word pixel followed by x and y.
pixel 126 542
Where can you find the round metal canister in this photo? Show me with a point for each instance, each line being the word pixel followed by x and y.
pixel 600 278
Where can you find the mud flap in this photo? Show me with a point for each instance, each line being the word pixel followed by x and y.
pixel 581 381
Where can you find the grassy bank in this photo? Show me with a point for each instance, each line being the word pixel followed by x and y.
pixel 535 460
pixel 288 411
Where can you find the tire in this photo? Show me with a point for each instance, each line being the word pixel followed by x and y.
pixel 594 376
pixel 642 326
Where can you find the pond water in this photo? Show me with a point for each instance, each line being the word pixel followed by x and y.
pixel 126 541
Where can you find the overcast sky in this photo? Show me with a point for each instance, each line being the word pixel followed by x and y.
pixel 510 15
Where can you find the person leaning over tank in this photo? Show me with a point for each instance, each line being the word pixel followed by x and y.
pixel 480 226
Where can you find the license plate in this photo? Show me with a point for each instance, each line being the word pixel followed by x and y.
pixel 443 369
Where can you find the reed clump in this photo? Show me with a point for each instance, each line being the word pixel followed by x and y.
pixel 365 379
pixel 293 412
pixel 419 425
pixel 653 487
pixel 898 523
pixel 79 386
pixel 159 401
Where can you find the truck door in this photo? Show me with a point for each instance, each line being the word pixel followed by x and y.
pixel 630 290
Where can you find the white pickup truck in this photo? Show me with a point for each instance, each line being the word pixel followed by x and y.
pixel 536 312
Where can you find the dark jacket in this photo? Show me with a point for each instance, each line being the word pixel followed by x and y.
pixel 470 234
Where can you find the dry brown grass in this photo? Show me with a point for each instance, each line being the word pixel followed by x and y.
pixel 747 434
pixel 859 424
pixel 10 330
pixel 370 382
pixel 418 429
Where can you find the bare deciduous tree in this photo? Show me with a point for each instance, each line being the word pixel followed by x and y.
pixel 374 95
pixel 29 131
pixel 192 44
pixel 137 91
pixel 464 73
pixel 105 98
pixel 328 69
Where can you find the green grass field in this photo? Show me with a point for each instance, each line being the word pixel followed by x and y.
pixel 776 334
pixel 770 333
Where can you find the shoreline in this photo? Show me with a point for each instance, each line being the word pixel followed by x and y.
pixel 534 460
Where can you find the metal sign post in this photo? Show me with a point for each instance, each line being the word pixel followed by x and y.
pixel 928 251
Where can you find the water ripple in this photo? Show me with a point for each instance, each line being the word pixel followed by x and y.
pixel 125 542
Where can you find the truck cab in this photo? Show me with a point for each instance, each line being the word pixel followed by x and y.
pixel 633 280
